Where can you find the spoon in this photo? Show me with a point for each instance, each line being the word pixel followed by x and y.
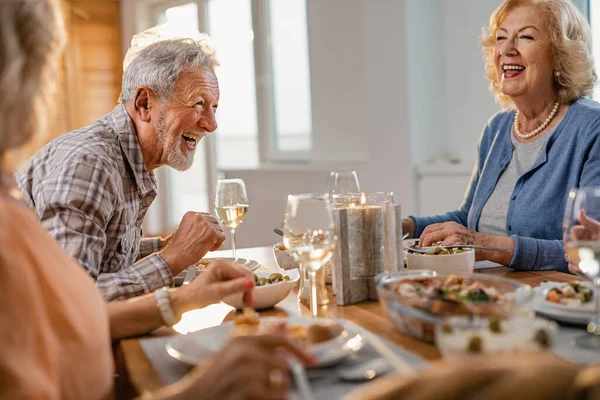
pixel 427 250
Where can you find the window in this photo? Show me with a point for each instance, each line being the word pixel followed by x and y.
pixel 291 83
pixel 265 109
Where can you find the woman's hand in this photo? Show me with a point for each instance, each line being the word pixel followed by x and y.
pixel 575 270
pixel 220 279
pixel 248 367
pixel 589 230
pixel 452 233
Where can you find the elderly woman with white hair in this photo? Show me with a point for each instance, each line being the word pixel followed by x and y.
pixel 546 142
pixel 56 328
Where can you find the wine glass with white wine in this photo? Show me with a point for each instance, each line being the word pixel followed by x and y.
pixel 581 234
pixel 308 233
pixel 231 205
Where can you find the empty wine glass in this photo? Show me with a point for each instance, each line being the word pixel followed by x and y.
pixel 308 233
pixel 344 189
pixel 231 205
pixel 581 234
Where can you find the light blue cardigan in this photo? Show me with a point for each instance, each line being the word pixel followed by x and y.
pixel 537 204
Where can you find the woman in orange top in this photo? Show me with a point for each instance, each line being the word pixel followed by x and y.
pixel 55 341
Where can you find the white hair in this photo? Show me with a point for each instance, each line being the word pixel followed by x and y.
pixel 31 37
pixel 156 58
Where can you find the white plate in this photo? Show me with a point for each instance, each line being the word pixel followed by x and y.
pixel 561 312
pixel 268 295
pixel 195 348
pixel 250 265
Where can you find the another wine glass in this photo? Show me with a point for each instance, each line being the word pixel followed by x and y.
pixel 344 189
pixel 231 205
pixel 308 233
pixel 581 234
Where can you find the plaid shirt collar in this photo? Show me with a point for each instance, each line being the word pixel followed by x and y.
pixel 120 121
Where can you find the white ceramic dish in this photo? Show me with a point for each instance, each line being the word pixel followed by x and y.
pixel 560 312
pixel 284 258
pixel 194 348
pixel 268 295
pixel 517 334
pixel 461 263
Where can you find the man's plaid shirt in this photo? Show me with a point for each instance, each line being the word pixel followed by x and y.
pixel 91 190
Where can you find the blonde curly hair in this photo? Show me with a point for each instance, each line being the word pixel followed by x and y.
pixel 575 74
pixel 31 36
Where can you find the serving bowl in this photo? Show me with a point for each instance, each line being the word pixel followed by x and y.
pixel 463 262
pixel 284 258
pixel 416 312
pixel 459 336
pixel 286 261
pixel 268 295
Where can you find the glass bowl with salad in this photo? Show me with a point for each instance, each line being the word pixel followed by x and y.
pixel 416 301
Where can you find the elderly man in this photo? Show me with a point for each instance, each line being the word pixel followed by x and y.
pixel 91 188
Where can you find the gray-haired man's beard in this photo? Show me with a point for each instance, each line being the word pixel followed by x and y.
pixel 176 158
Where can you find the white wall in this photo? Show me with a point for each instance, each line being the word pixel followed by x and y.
pixel 469 104
pixel 426 64
pixel 449 100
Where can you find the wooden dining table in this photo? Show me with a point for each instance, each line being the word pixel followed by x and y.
pixel 137 376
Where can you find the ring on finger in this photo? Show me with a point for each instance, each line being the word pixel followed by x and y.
pixel 275 379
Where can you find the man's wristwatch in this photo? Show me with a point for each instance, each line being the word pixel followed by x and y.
pixel 164 305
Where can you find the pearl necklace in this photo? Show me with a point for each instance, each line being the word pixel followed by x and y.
pixel 539 128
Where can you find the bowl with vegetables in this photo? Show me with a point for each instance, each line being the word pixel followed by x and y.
pixel 442 259
pixel 417 301
pixel 269 289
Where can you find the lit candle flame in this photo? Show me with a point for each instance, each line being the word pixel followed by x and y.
pixel 363 199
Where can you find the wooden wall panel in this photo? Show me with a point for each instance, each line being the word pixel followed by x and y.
pixel 91 64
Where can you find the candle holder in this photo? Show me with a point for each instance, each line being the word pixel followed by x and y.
pixel 369 242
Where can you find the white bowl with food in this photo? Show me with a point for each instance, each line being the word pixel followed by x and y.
pixel 442 260
pixel 284 258
pixel 270 288
pixel 286 261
